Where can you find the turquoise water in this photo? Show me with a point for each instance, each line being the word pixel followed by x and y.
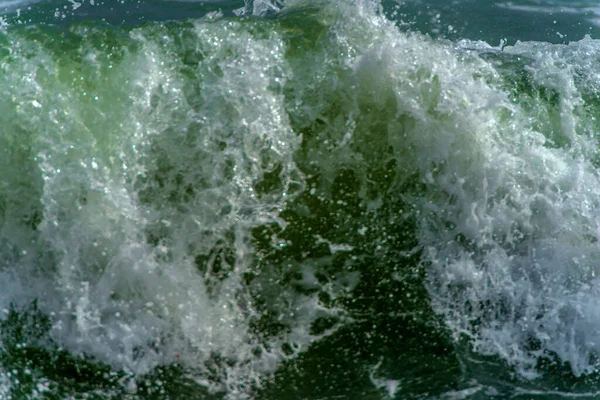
pixel 310 200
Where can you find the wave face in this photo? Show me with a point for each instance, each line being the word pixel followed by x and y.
pixel 311 201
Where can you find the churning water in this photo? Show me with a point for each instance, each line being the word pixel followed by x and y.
pixel 316 199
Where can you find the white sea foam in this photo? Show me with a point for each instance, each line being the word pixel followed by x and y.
pixel 523 283
pixel 114 261
pixel 510 218
pixel 259 7
pixel 133 196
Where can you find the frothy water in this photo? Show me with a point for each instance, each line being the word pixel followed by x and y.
pixel 516 270
pixel 223 195
pixel 141 191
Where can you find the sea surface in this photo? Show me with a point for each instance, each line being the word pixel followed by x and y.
pixel 300 199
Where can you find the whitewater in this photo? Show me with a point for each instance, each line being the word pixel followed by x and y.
pixel 300 199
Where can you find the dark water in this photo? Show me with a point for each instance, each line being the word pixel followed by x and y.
pixel 310 200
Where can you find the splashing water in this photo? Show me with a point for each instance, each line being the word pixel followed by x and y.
pixel 221 201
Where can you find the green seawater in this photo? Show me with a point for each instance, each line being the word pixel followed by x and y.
pixel 319 200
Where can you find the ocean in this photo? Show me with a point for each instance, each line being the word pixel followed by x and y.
pixel 300 199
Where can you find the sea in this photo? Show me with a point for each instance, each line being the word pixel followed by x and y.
pixel 299 199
